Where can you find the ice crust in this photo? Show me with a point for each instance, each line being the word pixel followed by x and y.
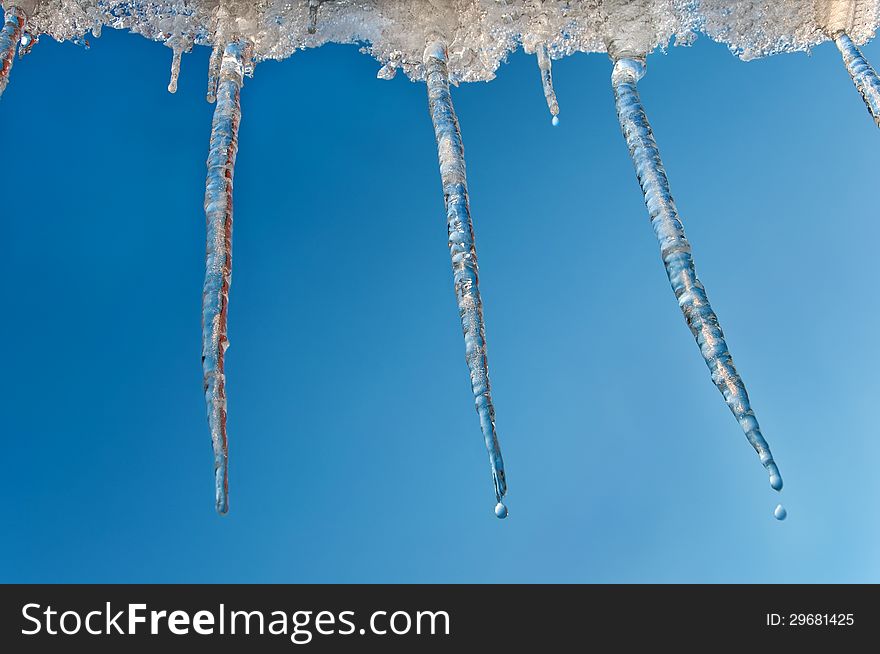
pixel 479 33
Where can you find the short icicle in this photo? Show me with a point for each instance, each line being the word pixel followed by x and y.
pixel 218 261
pixel 175 68
pixel 863 75
pixel 463 253
pixel 14 19
pixel 214 72
pixel 676 253
pixel 546 68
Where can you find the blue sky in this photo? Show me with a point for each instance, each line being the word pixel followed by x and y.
pixel 356 454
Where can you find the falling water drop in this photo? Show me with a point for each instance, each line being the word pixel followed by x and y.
pixel 501 510
pixel 780 513
pixel 555 121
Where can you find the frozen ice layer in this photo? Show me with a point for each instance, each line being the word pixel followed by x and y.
pixel 757 28
pixel 479 33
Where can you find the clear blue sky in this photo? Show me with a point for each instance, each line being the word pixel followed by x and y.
pixel 355 450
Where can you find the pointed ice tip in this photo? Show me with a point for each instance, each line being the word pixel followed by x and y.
pixel 221 489
pixel 555 121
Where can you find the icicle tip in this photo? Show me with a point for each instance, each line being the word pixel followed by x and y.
pixel 775 477
pixel 221 498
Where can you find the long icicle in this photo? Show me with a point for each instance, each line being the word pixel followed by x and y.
pixel 862 74
pixel 13 23
pixel 546 67
pixel 218 256
pixel 463 253
pixel 676 253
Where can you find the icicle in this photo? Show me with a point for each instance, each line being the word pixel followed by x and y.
pixel 463 252
pixel 676 253
pixel 14 20
pixel 175 67
pixel 546 67
pixel 214 72
pixel 863 75
pixel 387 72
pixel 218 264
pixel 313 15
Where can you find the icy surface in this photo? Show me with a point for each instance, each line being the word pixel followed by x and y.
pixel 479 33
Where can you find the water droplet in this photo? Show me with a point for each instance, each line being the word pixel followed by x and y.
pixel 780 513
pixel 501 510
pixel 555 121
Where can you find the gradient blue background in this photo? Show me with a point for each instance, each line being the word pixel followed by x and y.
pixel 355 449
